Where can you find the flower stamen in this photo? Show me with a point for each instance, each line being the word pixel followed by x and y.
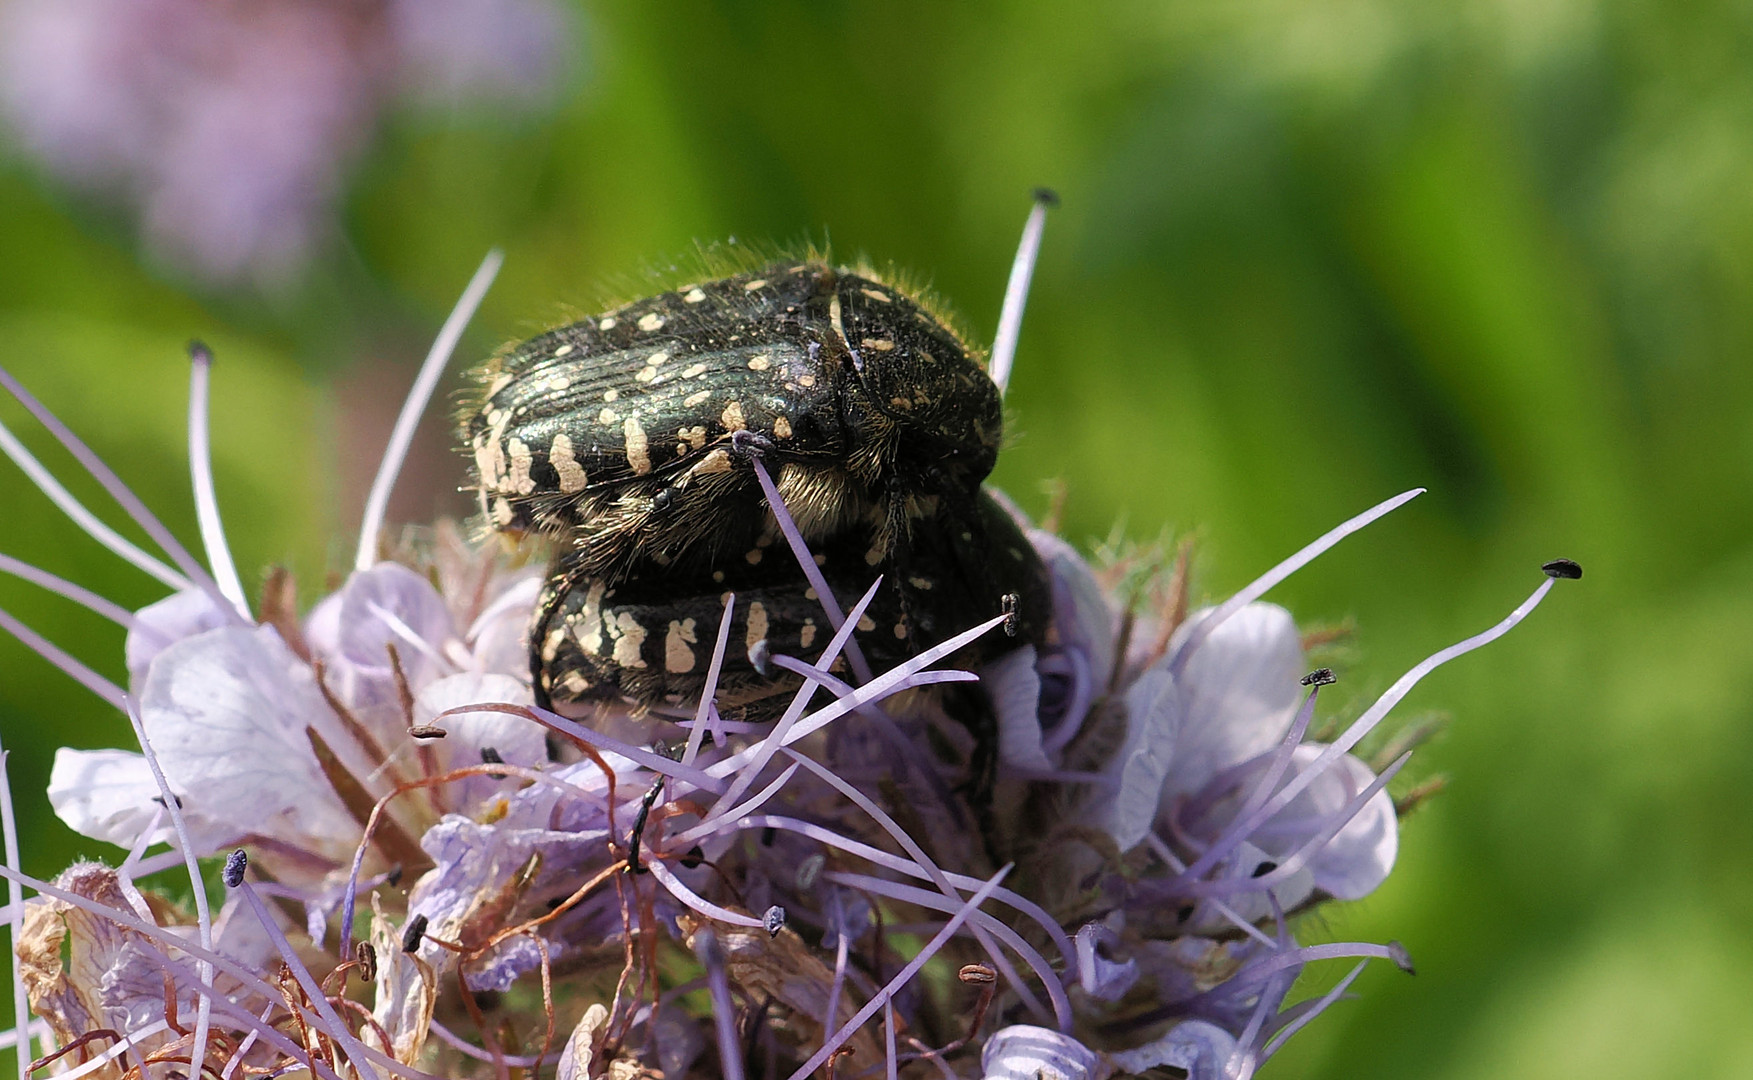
pixel 402 435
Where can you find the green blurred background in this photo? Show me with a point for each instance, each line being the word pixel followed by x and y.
pixel 1310 254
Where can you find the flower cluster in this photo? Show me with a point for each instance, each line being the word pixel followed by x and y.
pixel 229 126
pixel 430 875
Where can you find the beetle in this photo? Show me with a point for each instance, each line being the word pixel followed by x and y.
pixel 627 437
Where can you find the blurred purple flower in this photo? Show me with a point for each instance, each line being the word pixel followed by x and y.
pixel 227 126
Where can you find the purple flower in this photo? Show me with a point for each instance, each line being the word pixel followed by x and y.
pixel 229 127
pixel 1123 903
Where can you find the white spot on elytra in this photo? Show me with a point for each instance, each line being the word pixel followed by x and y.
pixel 758 283
pixel 732 418
pixel 782 428
pixel 607 324
pixel 519 481
pixel 694 296
pixel 866 623
pixel 677 656
pixel 608 417
pixel 757 625
pixel 562 351
pixel 696 398
pixel 716 462
pixel 489 461
pixel 650 321
pixel 629 640
pixel 877 343
pixel 807 636
pixel 693 371
pixel 590 619
pixel 611 394
pixel 638 447
pixel 760 363
pixel 695 435
pixel 560 456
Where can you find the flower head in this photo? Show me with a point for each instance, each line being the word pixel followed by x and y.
pixel 626 894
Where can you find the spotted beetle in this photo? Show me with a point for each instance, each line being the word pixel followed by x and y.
pixel 625 437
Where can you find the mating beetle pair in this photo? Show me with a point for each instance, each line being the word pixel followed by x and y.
pixel 629 437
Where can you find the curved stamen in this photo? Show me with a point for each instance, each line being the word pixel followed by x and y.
pixel 1245 826
pixel 1278 573
pixel 203 916
pixel 57 656
pixel 402 436
pixel 80 595
pixel 768 746
pixel 15 917
pixel 698 733
pixel 85 519
pixel 730 1051
pixel 924 861
pixel 337 1028
pixel 1016 290
pixel 902 977
pixel 892 681
pixel 201 475
pixel 118 491
pixel 937 902
pixel 699 903
pixel 1308 1011
pixel 748 806
pixel 801 552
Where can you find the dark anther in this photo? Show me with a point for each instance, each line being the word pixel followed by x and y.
pixel 1264 868
pixel 1401 957
pixel 768 835
pixel 1321 676
pixel 235 864
pixel 1563 568
pixel 490 756
pixel 1183 913
pixel 1047 197
pixel 977 975
pixel 413 933
pixel 159 799
pixel 394 877
pixel 809 871
pixel 774 920
pixel 662 501
pixel 427 731
pixel 1013 603
pixel 645 804
pixel 695 856
pixel 746 443
pixel 759 653
pixel 366 954
pixel 199 352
